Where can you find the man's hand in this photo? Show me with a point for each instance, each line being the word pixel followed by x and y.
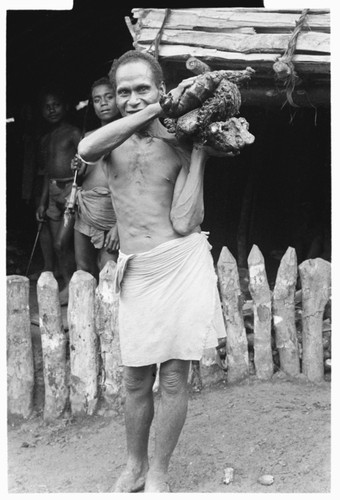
pixel 111 243
pixel 178 91
pixel 40 214
pixel 78 165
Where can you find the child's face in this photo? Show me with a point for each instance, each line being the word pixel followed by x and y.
pixel 104 103
pixel 53 109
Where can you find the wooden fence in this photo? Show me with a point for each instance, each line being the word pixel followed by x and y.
pixel 266 331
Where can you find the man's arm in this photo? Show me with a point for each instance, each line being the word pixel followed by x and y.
pixel 112 135
pixel 187 211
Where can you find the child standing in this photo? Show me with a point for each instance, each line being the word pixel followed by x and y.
pixel 96 237
pixel 58 146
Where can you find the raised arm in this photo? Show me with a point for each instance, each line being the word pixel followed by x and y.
pixel 187 211
pixel 112 135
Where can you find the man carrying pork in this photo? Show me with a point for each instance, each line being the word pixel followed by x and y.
pixel 169 309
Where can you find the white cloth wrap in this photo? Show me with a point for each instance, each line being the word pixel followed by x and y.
pixel 169 304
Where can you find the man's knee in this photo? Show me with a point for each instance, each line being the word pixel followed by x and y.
pixel 139 380
pixel 174 376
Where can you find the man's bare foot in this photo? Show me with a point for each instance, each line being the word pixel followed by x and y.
pixel 157 482
pixel 63 296
pixel 130 481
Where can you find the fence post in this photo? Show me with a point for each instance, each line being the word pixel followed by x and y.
pixel 260 292
pixel 20 368
pixel 106 317
pixel 83 344
pixel 236 339
pixel 53 343
pixel 315 275
pixel 284 314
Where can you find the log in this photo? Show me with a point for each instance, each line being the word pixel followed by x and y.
pixel 53 343
pixel 284 314
pixel 261 295
pixel 243 226
pixel 308 64
pixel 20 368
pixel 221 19
pixel 83 344
pixel 196 66
pixel 315 275
pixel 267 43
pixel 231 298
pixel 273 95
pixel 210 370
pixel 106 307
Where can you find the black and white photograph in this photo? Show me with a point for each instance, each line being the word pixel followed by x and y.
pixel 168 248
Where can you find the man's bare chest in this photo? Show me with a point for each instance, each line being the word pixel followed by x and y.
pixel 147 162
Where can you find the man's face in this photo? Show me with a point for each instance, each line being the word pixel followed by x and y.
pixel 53 109
pixel 104 103
pixel 135 87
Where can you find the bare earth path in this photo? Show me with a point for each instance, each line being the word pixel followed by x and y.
pixel 279 427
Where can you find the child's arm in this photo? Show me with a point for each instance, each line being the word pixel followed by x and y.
pixel 112 240
pixel 41 210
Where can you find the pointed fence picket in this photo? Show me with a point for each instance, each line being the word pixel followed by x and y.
pixel 95 373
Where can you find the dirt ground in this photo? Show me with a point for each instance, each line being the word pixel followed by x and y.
pixel 281 427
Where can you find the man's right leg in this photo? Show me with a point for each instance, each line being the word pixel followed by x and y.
pixel 139 411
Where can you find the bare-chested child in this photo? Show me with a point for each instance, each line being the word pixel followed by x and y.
pixel 96 236
pixel 59 146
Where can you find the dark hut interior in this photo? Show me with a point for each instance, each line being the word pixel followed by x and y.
pixel 275 194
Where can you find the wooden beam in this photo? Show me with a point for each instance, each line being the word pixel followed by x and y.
pixel 273 96
pixel 304 63
pixel 262 43
pixel 218 19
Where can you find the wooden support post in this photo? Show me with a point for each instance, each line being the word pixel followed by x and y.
pixel 231 297
pixel 106 307
pixel 315 275
pixel 53 343
pixel 260 292
pixel 210 370
pixel 83 344
pixel 284 314
pixel 20 368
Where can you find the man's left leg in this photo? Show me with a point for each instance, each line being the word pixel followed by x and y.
pixel 169 422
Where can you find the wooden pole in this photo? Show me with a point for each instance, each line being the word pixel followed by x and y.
pixel 209 369
pixel 20 368
pixel 284 314
pixel 243 227
pixel 315 275
pixel 260 292
pixel 53 343
pixel 231 297
pixel 83 344
pixel 106 307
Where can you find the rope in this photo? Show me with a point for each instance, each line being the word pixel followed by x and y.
pixel 284 67
pixel 158 37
